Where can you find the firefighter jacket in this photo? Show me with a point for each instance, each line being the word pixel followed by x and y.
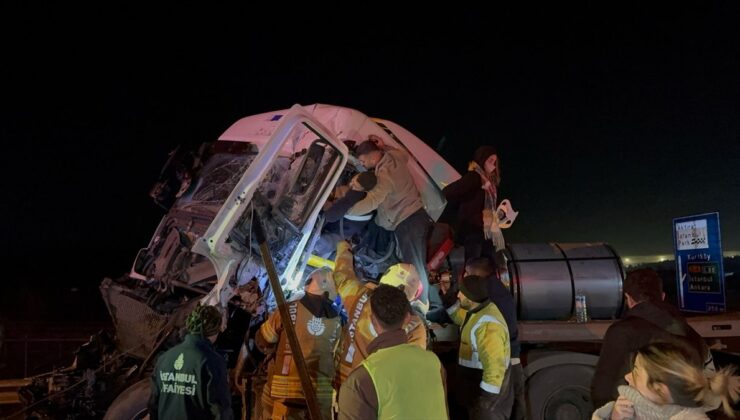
pixel 318 327
pixel 484 343
pixel 190 381
pixel 359 332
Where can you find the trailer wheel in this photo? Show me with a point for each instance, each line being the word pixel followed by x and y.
pixel 131 404
pixel 561 392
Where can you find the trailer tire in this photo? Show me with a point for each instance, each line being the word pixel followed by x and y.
pixel 131 404
pixel 560 392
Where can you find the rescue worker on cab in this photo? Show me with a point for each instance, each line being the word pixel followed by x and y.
pixel 359 332
pixel 484 356
pixel 190 380
pixel 317 325
pixel 398 202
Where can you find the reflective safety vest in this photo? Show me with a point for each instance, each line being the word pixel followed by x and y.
pixel 408 382
pixel 318 338
pixel 359 332
pixel 484 343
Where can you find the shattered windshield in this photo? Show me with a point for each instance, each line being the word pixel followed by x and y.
pixel 218 177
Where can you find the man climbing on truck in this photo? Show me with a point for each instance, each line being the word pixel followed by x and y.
pixel 399 205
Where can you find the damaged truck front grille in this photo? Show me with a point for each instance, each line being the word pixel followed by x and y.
pixel 137 325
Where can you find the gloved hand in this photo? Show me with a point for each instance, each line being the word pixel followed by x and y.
pixel 497 237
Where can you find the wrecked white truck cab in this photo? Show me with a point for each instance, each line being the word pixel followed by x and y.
pixel 301 156
pixel 312 139
pixel 279 168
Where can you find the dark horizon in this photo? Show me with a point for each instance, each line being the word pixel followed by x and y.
pixel 609 122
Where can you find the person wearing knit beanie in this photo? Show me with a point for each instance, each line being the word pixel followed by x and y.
pixel 484 367
pixel 474 288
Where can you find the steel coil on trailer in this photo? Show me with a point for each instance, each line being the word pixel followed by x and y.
pixel 545 278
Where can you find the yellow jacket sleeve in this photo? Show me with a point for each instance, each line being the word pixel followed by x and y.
pixel 270 329
pixel 345 279
pixel 494 354
pixel 457 314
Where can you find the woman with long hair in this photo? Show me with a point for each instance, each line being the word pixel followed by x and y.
pixel 667 383
pixel 475 197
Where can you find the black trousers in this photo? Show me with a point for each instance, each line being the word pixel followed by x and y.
pixel 470 404
pixel 411 237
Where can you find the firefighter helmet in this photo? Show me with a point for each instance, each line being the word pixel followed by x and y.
pixel 320 281
pixel 405 275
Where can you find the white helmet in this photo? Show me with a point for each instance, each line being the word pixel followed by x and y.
pixel 321 281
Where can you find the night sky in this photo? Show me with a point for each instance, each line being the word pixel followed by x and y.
pixel 609 122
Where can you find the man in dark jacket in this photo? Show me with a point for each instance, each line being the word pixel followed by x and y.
pixel 649 319
pixel 190 380
pixel 358 188
pixel 340 226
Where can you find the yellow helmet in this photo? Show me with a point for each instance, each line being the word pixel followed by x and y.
pixel 405 275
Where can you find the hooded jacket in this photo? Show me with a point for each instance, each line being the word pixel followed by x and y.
pixel 645 323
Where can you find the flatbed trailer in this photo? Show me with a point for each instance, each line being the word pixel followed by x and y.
pixel 559 359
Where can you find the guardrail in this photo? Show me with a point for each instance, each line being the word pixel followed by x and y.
pixel 36 355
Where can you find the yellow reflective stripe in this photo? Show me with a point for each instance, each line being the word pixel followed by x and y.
pixel 478 324
pixel 290 387
pixel 474 361
pixel 475 364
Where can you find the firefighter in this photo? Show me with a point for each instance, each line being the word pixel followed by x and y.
pixel 317 325
pixel 359 332
pixel 484 356
pixel 190 380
